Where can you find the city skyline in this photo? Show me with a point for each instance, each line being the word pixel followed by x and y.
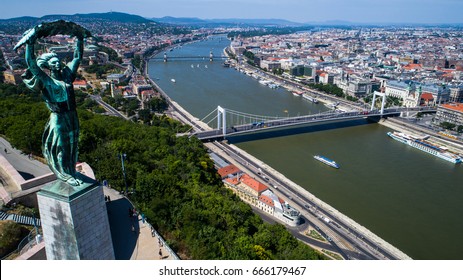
pixel 355 11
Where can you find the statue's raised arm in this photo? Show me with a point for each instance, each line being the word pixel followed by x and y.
pixel 61 134
pixel 78 54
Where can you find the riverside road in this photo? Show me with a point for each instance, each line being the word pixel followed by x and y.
pixel 350 242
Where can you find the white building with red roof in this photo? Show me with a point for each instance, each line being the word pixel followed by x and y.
pixel 451 113
pixel 259 195
pixel 228 171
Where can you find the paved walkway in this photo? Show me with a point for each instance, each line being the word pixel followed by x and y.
pixel 131 237
pixel 28 168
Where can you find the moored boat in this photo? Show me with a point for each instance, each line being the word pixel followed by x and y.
pixel 310 98
pixel 425 146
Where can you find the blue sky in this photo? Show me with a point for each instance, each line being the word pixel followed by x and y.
pixel 361 11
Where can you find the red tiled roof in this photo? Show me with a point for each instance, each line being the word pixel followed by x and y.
pixel 227 170
pixel 427 96
pixel 253 184
pixel 454 106
pixel 80 83
pixel 232 181
pixel 413 66
pixel 147 92
pixel 267 200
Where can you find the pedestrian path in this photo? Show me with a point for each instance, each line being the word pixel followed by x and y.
pixel 132 237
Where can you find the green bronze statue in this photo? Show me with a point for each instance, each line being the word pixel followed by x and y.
pixel 61 134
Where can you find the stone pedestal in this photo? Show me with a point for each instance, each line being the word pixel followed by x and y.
pixel 75 221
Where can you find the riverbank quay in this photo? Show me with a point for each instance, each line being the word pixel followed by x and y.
pixel 330 101
pixel 177 112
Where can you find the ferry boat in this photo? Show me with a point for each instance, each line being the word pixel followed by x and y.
pixel 297 93
pixel 425 146
pixel 326 161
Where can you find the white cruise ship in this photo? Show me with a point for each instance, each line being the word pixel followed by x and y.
pixel 326 161
pixel 425 146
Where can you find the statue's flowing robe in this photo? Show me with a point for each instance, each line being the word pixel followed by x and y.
pixel 61 134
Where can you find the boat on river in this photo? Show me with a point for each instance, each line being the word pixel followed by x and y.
pixel 326 161
pixel 425 146
pixel 310 98
pixel 172 80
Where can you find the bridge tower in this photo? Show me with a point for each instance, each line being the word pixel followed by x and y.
pixel 165 57
pixel 221 120
pixel 382 94
pixel 211 56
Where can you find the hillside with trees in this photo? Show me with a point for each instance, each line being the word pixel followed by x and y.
pixel 172 179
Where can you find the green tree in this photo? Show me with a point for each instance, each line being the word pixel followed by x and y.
pixel 144 115
pixel 137 61
pixel 11 234
pixel 447 125
pixel 158 104
pixel 249 55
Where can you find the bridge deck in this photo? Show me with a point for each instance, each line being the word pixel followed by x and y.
pixel 189 57
pixel 296 121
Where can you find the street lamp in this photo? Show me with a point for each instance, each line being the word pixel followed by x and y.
pixel 123 156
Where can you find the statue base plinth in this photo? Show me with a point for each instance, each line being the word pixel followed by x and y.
pixel 75 221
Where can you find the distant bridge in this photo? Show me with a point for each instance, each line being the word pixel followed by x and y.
pixel 211 57
pixel 262 123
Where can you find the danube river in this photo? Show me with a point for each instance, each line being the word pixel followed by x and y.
pixel 409 198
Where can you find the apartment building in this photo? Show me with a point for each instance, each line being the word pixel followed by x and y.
pixel 452 113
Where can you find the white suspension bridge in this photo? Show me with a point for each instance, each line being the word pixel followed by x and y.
pixel 232 123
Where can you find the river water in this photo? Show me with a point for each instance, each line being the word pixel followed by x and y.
pixel 409 198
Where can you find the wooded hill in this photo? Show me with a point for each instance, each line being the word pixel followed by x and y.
pixel 174 181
